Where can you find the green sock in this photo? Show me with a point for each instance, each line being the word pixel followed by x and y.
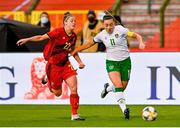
pixel 119 89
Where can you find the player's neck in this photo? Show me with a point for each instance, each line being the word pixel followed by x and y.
pixel 68 31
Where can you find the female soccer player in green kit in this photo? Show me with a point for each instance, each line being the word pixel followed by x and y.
pixel 118 62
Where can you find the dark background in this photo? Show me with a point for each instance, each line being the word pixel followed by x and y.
pixel 11 31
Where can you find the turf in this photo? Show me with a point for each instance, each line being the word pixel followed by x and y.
pixel 96 116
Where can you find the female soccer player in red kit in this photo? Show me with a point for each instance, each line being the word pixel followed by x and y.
pixel 61 43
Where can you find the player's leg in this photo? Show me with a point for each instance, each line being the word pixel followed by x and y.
pixel 125 76
pixel 110 67
pixel 124 67
pixel 44 80
pixel 54 79
pixel 55 85
pixel 125 70
pixel 69 75
pixel 74 98
pixel 107 88
pixel 115 78
pixel 48 71
pixel 57 92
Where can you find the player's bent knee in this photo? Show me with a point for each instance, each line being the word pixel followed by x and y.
pixel 124 83
pixel 118 85
pixel 57 92
pixel 73 89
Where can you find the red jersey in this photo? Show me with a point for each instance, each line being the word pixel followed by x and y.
pixel 57 49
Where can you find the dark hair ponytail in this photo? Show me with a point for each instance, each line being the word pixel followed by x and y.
pixel 67 15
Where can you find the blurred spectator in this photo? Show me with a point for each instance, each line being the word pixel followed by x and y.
pixel 125 1
pixel 44 20
pixel 100 16
pixel 90 29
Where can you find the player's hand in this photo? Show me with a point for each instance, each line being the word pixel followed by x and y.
pixel 142 45
pixel 21 42
pixel 81 65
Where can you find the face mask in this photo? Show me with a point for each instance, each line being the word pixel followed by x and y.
pixel 91 19
pixel 44 20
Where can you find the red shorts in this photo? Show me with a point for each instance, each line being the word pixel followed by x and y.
pixel 56 74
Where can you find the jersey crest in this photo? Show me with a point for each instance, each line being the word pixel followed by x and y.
pixel 116 35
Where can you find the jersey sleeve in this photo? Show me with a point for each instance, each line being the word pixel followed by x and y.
pixel 98 38
pixel 124 31
pixel 54 34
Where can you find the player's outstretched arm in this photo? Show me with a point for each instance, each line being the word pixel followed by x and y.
pixel 78 59
pixel 88 44
pixel 139 39
pixel 33 38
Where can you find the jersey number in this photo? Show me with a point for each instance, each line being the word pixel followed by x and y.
pixel 112 42
pixel 67 46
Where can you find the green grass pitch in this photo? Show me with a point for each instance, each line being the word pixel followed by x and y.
pixel 96 116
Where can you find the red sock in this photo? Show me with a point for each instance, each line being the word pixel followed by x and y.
pixel 74 101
